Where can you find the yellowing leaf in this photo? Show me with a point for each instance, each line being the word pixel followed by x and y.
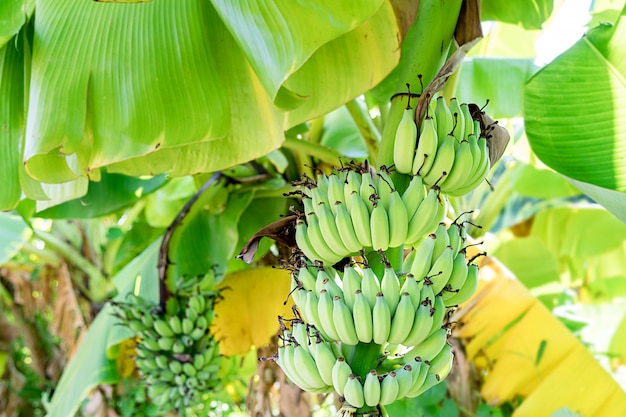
pixel 526 352
pixel 247 316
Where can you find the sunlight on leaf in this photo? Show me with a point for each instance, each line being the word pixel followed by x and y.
pixel 247 316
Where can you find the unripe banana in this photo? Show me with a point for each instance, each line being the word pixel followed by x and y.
pixel 361 220
pixel 370 286
pixel 442 363
pixel 390 287
pixel 287 364
pixel 137 326
pixel 402 320
pixel 198 303
pixel 344 323
pixel 438 311
pixel 371 389
pixel 347 230
pixel 414 195
pixel 381 320
pixel 147 320
pixel 441 242
pixel 330 284
pixel 165 343
pixel 427 145
pixel 353 392
pixel 304 243
pixel 341 372
pixel 352 186
pixel 398 220
pixel 456 237
pixel 175 324
pixel 441 270
pixel 329 230
pixel 422 260
pixel 404 376
pixel 325 312
pixel 306 368
pixel 322 182
pixel 318 198
pixel 199 361
pixel 379 224
pixel 162 328
pixel 442 164
pixel 405 142
pixel 419 376
pixel 306 278
pixel 318 241
pixel 325 360
pixel 457 278
pixel 469 287
pixel 362 313
pixel 425 219
pixel 445 123
pixel 468 127
pixel 422 323
pixel 430 347
pixel 384 187
pixel 430 381
pixel 411 287
pixel 389 389
pixel 335 191
pixel 461 169
pixel 350 283
pixel 311 313
pixel 191 314
pixel 459 120
pixel 299 332
pixel 189 369
pixel 368 188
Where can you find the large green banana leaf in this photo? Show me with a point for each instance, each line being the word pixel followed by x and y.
pixel 177 87
pixel 575 115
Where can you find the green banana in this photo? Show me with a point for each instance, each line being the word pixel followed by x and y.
pixel 371 389
pixel 469 287
pixel 418 378
pixel 318 241
pixel 461 169
pixel 361 220
pixel 402 320
pixel 430 381
pixel 350 283
pixel 303 242
pixel 414 195
pixel 325 313
pixel 162 328
pixel 329 230
pixel 362 313
pixel 384 187
pixel 389 389
pixel 422 260
pixel 405 141
pixel 457 278
pixel 175 324
pixel 367 188
pixel 379 224
pixel 458 118
pixel 456 237
pixel 438 311
pixel 441 270
pixel 165 343
pixel 299 332
pixel 310 312
pixel 353 392
pixel 381 320
pixel 430 347
pixel 441 242
pixel 335 191
pixel 352 186
pixel 442 164
pixel 346 229
pixel 306 278
pixel 422 323
pixel 330 284
pixel 425 219
pixel 324 360
pixel 469 122
pixel 398 220
pixel 341 372
pixel 445 123
pixel 390 287
pixel 404 376
pixel 442 363
pixel 307 369
pixel 427 145
pixel 319 197
pixel 370 286
pixel 344 323
pixel 411 287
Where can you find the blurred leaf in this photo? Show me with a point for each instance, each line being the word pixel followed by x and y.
pixel 163 205
pixel 495 79
pixel 13 233
pixel 507 354
pixel 507 41
pixel 342 134
pixel 613 201
pixel 617 347
pixel 530 260
pixel 578 232
pixel 543 184
pixel 405 407
pixel 247 315
pixel 531 14
pixel 112 193
pixel 573 115
pixel 135 241
pixel 564 412
pixel 13 15
pixel 89 366
pixel 208 241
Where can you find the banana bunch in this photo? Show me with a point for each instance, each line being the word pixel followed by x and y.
pixel 355 209
pixel 450 150
pixel 176 354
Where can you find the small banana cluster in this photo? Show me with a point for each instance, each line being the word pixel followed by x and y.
pixel 355 209
pixel 449 150
pixel 176 354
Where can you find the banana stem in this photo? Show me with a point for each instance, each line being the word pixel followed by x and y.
pixel 321 152
pixel 366 126
pixel 364 357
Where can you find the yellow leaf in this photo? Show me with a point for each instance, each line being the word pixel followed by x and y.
pixel 524 351
pixel 247 316
pixel 125 360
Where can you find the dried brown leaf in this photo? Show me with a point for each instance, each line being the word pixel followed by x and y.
pixel 468 27
pixel 67 321
pixel 406 14
pixel 282 231
pixel 497 136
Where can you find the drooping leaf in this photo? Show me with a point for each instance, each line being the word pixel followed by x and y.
pixel 247 316
pixel 341 133
pixel 613 201
pixel 531 14
pixel 90 365
pixel 574 118
pixel 112 193
pixel 13 14
pixel 543 184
